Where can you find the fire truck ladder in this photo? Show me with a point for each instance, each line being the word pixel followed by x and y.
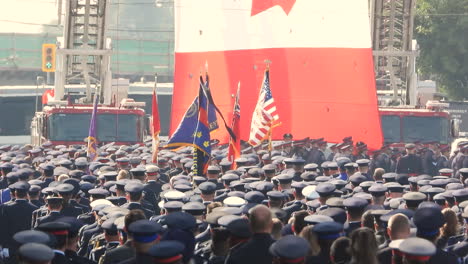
pixel 84 53
pixel 393 49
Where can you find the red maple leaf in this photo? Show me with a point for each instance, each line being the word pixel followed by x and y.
pixel 259 6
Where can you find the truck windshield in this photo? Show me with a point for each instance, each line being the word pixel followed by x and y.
pixel 110 127
pixel 391 128
pixel 425 129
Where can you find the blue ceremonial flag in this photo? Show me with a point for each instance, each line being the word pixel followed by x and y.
pixel 184 134
pixel 201 142
pixel 92 138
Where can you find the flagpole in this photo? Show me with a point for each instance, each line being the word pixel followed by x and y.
pixel 195 156
pixel 91 151
pixel 155 135
pixel 270 146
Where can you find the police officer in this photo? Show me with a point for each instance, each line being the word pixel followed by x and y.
pixel 207 190
pixel 8 194
pixel 65 191
pixel 15 216
pixel 429 160
pixel 167 252
pixel 125 251
pixel 382 159
pixel 416 250
pixel 5 168
pixel 112 240
pixel 153 184
pixel 47 174
pixel 296 204
pixel 34 195
pixel 290 249
pixel 54 208
pixel 410 164
pixel 355 207
pixel 59 230
pixel 325 191
pixel 440 160
pixel 32 253
pixel 87 232
pixel 428 222
pixel 134 191
pixel 177 169
pixel 144 233
pixel 72 241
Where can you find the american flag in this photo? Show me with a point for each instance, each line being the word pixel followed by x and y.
pixel 265 115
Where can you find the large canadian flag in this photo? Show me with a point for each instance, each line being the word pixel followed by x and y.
pixel 321 69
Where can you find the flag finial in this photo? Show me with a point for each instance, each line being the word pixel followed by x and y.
pixel 267 63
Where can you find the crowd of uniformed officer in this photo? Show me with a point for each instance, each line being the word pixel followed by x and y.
pixel 305 202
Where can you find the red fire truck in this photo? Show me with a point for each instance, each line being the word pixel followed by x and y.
pixel 401 124
pixel 69 124
pixel 82 57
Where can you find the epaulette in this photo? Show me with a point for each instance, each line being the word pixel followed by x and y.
pixel 455 240
pixel 98 248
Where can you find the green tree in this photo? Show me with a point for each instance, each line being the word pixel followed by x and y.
pixel 441 29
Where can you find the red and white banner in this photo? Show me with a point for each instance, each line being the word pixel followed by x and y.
pixel 47 96
pixel 321 63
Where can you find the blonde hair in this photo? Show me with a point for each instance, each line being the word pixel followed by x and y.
pixel 451 226
pixel 311 237
pixel 378 173
pixel 212 206
pixel 276 228
pixel 123 174
pixel 62 177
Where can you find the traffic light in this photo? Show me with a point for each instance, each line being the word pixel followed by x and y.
pixel 48 57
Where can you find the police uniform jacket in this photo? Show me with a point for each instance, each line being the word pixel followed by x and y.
pixel 46 181
pixel 352 226
pixel 85 202
pixel 174 172
pixel 82 207
pixel 428 163
pixel 442 162
pixel 256 250
pixel 315 156
pixel 42 211
pixel 292 207
pixel 97 253
pixel 382 161
pixel 85 238
pixel 457 162
pixel 409 164
pixel 71 211
pixel 134 206
pixel 138 259
pixel 3 183
pixel 203 236
pixel 14 217
pixel 60 259
pixel 152 190
pixel 118 254
pixel 443 257
pixel 460 249
pixel 49 218
pixel 384 255
pixel 37 203
pixel 75 259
